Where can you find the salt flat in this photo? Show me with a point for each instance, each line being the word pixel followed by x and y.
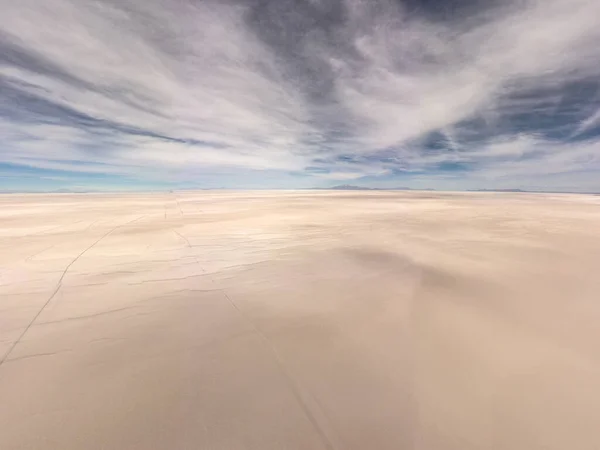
pixel 300 320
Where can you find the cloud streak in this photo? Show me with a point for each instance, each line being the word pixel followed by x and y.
pixel 315 91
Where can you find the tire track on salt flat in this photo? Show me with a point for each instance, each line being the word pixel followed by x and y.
pixel 59 285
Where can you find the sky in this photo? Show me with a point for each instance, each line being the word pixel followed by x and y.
pixel 178 94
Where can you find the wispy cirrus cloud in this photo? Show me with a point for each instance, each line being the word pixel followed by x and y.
pixel 184 91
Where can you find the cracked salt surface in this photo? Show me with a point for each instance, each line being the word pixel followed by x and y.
pixel 300 320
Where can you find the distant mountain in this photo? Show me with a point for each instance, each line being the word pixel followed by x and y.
pixel 350 187
pixel 497 190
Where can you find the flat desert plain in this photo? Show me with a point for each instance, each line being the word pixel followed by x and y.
pixel 300 320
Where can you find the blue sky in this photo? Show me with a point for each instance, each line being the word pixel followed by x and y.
pixel 165 94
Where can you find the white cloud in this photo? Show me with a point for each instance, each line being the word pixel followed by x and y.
pixel 166 89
